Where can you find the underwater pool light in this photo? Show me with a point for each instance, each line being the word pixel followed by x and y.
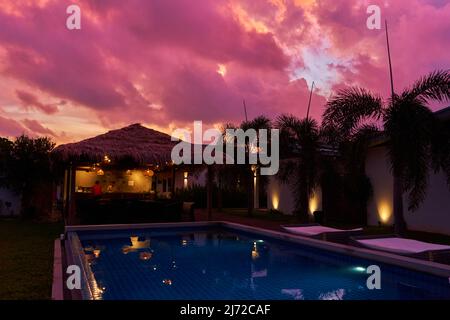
pixel 359 269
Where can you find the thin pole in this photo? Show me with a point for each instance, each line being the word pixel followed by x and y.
pixel 245 110
pixel 390 62
pixel 309 103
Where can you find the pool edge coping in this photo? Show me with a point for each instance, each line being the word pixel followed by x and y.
pixel 428 267
pixel 57 278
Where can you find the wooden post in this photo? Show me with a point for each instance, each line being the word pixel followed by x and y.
pixel 65 196
pixel 173 181
pixel 309 103
pixel 256 189
pixel 72 182
pixel 209 190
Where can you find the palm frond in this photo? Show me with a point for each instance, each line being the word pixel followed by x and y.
pixel 409 124
pixel 434 86
pixel 349 108
pixel 260 122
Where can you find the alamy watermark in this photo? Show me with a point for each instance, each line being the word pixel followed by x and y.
pixel 73 21
pixel 233 146
pixel 74 277
pixel 374 280
pixel 373 22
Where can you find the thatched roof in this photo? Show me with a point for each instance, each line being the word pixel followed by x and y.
pixel 135 142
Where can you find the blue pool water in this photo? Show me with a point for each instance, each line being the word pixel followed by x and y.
pixel 203 264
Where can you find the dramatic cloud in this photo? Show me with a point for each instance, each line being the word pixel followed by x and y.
pixel 29 100
pixel 38 128
pixel 10 127
pixel 167 63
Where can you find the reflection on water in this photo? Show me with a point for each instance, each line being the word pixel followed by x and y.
pixel 97 292
pixel 167 282
pixel 97 253
pixel 91 253
pixel 222 265
pixel 136 245
pixel 255 253
pixel 145 255
pixel 296 294
pixel 333 295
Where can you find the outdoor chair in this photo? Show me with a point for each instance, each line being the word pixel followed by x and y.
pixel 406 247
pixel 317 231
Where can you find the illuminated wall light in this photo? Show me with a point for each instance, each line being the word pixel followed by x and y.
pixel 185 180
pixel 100 172
pixel 313 203
pixel 275 201
pixel 384 211
pixel 149 173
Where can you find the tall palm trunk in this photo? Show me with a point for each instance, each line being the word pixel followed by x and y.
pixel 303 210
pixel 303 198
pixel 399 221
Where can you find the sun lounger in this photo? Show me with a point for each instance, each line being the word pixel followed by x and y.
pixel 317 231
pixel 403 246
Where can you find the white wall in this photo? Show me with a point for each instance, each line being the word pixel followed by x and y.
pixel 379 207
pixel 281 197
pixel 8 196
pixel 433 214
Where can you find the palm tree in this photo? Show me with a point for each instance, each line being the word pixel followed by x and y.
pixel 260 122
pixel 299 145
pixel 411 130
pixel 228 175
pixel 350 136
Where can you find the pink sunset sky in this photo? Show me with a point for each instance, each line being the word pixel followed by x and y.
pixel 166 63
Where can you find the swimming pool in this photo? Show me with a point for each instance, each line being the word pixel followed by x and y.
pixel 216 262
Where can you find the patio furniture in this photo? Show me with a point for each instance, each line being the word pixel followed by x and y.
pixel 403 246
pixel 317 231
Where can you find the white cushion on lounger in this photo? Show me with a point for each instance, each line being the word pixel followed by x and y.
pixel 309 231
pixel 401 245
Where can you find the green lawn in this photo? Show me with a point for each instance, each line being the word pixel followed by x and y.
pixel 26 258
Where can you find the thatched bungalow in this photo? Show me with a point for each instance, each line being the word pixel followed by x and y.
pixel 131 165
